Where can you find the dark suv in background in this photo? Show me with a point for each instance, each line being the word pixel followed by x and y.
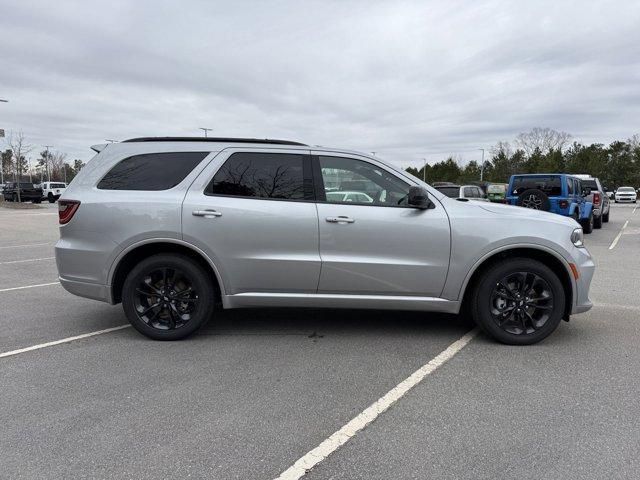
pixel 28 192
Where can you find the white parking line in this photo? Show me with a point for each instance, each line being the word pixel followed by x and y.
pixel 633 308
pixel 64 340
pixel 27 245
pixel 28 286
pixel 368 415
pixel 28 260
pixel 615 240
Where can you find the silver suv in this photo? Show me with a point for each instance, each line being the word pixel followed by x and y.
pixel 171 227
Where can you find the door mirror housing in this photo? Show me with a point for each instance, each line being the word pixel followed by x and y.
pixel 419 198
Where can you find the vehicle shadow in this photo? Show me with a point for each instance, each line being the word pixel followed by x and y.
pixel 316 323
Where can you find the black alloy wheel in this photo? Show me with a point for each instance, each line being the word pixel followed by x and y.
pixel 521 303
pixel 168 296
pixel 518 301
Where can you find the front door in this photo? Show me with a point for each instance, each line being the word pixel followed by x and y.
pixel 253 213
pixel 371 241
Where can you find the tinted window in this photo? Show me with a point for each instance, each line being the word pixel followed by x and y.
pixel 550 185
pixel 261 175
pixel 469 192
pixel 57 185
pixel 590 184
pixel 451 192
pixel 152 171
pixel 347 180
pixel 26 185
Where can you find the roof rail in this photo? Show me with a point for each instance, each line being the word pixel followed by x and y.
pixel 213 139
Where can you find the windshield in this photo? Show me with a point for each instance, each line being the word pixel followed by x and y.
pixel 451 192
pixel 626 189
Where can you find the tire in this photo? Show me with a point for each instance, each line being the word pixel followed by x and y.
pixel 541 324
pixel 535 199
pixel 605 217
pixel 151 276
pixel 38 200
pixel 597 222
pixel 587 224
pixel 51 198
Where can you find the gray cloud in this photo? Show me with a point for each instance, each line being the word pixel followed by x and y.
pixel 404 79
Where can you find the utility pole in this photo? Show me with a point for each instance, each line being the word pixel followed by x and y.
pixel 205 130
pixel 482 164
pixel 46 163
pixel 424 171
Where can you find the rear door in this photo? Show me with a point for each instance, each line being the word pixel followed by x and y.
pixel 253 212
pixel 379 247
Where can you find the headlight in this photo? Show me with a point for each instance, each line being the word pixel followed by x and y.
pixel 577 237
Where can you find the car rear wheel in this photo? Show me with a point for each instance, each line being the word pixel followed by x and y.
pixel 605 217
pixel 597 222
pixel 518 301
pixel 587 224
pixel 168 297
pixel 51 198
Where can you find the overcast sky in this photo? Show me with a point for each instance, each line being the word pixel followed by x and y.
pixel 404 79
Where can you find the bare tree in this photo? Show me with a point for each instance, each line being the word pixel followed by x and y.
pixel 544 139
pixel 56 162
pixel 503 148
pixel 20 149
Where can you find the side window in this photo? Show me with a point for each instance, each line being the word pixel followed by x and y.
pixel 262 175
pixel 570 186
pixel 152 171
pixel 347 180
pixel 479 193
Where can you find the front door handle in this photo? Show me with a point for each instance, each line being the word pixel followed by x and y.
pixel 206 213
pixel 340 219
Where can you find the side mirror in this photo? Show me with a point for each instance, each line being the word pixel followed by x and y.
pixel 419 198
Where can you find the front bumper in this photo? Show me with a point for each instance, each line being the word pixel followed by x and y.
pixel 586 268
pixel 626 199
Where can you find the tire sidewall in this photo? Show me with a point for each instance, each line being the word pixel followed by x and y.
pixel 544 198
pixel 484 289
pixel 201 283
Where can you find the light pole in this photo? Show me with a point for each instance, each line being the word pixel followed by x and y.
pixel 482 164
pixel 205 130
pixel 424 171
pixel 46 161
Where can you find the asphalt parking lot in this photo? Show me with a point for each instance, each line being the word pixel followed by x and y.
pixel 256 390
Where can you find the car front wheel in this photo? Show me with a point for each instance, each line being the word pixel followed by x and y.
pixel 518 301
pixel 168 297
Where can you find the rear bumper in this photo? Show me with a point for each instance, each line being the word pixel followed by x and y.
pixel 94 291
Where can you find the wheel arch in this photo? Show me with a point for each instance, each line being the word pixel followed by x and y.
pixel 128 258
pixel 544 255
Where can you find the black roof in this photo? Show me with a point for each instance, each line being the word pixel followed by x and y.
pixel 214 139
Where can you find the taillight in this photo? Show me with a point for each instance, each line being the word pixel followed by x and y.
pixel 66 210
pixel 596 198
pixel 563 203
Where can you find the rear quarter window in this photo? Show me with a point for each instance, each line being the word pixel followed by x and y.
pixel 151 171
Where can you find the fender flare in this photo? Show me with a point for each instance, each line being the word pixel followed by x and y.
pixel 116 262
pixel 504 248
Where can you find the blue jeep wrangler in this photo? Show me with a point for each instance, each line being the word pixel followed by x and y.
pixel 552 192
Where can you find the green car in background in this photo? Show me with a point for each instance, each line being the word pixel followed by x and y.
pixel 497 192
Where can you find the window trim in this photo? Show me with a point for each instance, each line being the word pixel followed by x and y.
pixel 307 178
pixel 319 181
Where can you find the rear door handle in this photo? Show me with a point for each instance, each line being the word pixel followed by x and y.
pixel 340 219
pixel 206 213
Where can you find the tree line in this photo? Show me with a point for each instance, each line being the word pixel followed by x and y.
pixel 543 150
pixel 51 165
